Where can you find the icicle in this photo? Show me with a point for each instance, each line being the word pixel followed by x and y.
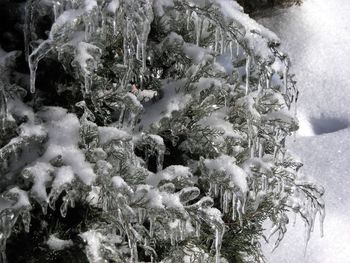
pixel 216 190
pixel 7 221
pixel 259 88
pixel 160 159
pixel 28 27
pixel 115 24
pixel 56 7
pixel 322 216
pixel 188 15
pixel 39 53
pixel 231 50
pixel 307 236
pixel 140 214
pixel 26 220
pixel 218 243
pixel 261 148
pixel 233 206
pixel 252 149
pixel 3 106
pixel 224 205
pixel 138 49
pixel 181 229
pixel 64 206
pixel 172 239
pixel 103 25
pixel 237 49
pixel 133 250
pixel 3 258
pixel 197 25
pixel 216 39
pixel 44 206
pixel 221 197
pixel 239 212
pixel 87 83
pixel 151 230
pixel 144 55
pixel 264 183
pixel 222 45
pixel 285 77
pixel 121 116
pixel 198 229
pixel 247 73
pixel 125 43
pixel 268 79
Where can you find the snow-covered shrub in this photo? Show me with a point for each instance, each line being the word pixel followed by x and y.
pixel 160 135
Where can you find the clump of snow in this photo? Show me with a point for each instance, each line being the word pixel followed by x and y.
pixel 152 195
pixel 57 244
pixel 84 58
pixel 169 174
pixel 41 176
pixel 22 199
pixel 63 175
pixel 63 141
pixel 93 240
pixel 90 5
pixel 217 120
pixel 171 101
pixel 159 140
pixel 113 6
pixel 225 164
pixel 195 53
pixel 305 127
pixel 108 134
pixel 119 182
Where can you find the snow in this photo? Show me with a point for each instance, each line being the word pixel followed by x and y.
pixel 217 120
pixel 93 240
pixel 55 243
pixel 40 173
pixel 171 101
pixel 63 140
pixel 63 175
pixel 317 36
pixel 84 58
pixel 113 6
pixel 22 198
pixel 169 174
pixel 107 134
pixel 224 163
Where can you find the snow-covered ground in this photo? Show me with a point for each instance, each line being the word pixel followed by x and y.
pixel 317 38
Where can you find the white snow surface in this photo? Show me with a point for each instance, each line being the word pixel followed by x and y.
pixel 316 35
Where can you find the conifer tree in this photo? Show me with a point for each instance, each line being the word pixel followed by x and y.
pixel 146 131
